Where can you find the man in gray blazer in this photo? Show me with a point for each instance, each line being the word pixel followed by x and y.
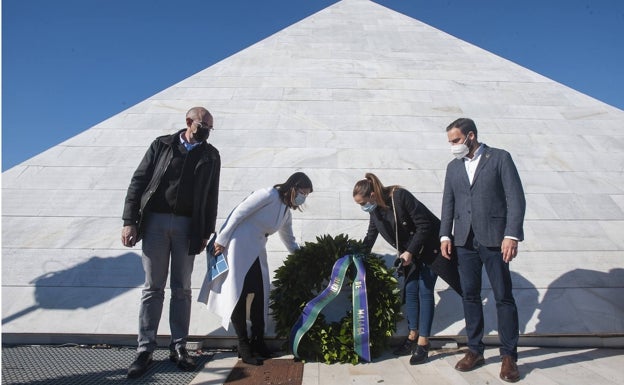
pixel 483 204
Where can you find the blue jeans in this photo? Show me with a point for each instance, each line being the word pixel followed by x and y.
pixel 471 259
pixel 419 302
pixel 166 240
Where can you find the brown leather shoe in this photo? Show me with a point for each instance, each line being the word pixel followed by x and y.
pixel 509 370
pixel 470 360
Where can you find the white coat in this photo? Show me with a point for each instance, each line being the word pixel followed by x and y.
pixel 244 235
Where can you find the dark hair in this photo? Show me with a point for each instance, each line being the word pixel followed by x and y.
pixel 465 125
pixel 372 184
pixel 288 190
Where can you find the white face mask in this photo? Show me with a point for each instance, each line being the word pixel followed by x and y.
pixel 460 150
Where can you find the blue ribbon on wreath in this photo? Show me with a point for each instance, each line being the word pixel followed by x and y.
pixel 360 306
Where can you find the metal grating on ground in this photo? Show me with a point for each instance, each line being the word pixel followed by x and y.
pixel 69 365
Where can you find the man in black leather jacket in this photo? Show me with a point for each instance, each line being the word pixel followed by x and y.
pixel 171 204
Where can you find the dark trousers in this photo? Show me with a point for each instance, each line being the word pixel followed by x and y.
pixel 471 259
pixel 253 285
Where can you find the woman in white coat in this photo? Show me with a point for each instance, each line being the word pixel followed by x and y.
pixel 242 240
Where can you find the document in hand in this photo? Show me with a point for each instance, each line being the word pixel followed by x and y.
pixel 217 264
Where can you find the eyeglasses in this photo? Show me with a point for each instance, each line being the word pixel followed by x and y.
pixel 203 126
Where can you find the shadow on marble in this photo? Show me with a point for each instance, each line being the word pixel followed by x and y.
pixel 563 358
pixel 124 272
pixel 449 310
pixel 580 300
pixel 582 297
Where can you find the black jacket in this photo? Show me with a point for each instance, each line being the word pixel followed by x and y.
pixel 148 176
pixel 418 227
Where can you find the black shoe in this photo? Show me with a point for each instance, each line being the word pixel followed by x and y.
pixel 420 354
pixel 140 364
pixel 259 347
pixel 182 359
pixel 405 348
pixel 244 353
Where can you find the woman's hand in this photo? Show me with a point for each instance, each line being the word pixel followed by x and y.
pixel 218 249
pixel 406 256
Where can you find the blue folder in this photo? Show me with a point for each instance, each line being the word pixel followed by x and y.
pixel 217 264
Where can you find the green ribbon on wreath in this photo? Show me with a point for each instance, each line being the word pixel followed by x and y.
pixel 360 306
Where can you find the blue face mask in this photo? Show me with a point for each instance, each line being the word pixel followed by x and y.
pixel 299 199
pixel 369 207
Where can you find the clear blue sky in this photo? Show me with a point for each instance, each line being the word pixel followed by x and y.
pixel 70 64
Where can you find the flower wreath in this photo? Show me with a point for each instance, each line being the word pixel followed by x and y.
pixel 305 273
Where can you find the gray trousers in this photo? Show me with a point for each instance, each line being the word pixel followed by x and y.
pixel 166 239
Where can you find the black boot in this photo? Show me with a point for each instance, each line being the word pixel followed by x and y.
pixel 405 348
pixel 140 364
pixel 259 347
pixel 244 352
pixel 182 359
pixel 420 354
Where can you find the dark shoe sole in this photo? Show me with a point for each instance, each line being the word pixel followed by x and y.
pixel 139 373
pixel 419 362
pixel 515 379
pixel 136 374
pixel 250 360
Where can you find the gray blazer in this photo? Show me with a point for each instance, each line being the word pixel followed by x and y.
pixel 493 206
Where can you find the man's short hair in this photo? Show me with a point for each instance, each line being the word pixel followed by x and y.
pixel 465 125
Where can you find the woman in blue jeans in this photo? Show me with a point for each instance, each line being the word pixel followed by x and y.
pixel 419 309
pixel 417 243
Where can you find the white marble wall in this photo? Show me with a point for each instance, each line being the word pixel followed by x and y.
pixel 354 88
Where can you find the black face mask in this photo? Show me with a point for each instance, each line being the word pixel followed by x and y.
pixel 201 134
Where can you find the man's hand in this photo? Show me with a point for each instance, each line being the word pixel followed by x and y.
pixel 129 235
pixel 446 247
pixel 509 248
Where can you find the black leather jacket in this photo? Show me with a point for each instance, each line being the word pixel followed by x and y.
pixel 418 227
pixel 148 176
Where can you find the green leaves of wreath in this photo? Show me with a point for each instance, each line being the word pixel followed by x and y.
pixel 306 273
